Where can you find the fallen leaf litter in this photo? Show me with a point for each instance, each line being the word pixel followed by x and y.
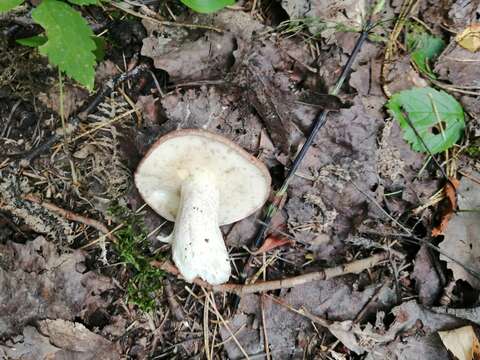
pixel 250 88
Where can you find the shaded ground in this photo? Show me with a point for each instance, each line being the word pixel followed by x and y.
pixel 66 290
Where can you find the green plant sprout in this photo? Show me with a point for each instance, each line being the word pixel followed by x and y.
pixel 424 49
pixel 69 43
pixel 132 246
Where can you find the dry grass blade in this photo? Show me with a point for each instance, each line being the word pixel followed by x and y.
pixel 264 325
pixel 209 298
pixel 102 125
pixel 206 332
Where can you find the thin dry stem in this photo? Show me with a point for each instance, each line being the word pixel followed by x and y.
pixel 69 215
pixel 353 267
pixel 264 325
pixel 206 333
pixel 209 298
pixel 165 23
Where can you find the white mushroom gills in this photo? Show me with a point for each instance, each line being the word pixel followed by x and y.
pixel 201 181
pixel 197 243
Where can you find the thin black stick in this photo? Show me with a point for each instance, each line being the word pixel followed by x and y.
pixel 319 122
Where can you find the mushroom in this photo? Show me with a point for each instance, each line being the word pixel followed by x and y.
pixel 201 181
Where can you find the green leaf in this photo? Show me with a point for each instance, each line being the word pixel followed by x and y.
pixel 34 41
pixel 100 44
pixel 436 115
pixel 424 49
pixel 207 6
pixel 84 2
pixel 70 45
pixel 7 5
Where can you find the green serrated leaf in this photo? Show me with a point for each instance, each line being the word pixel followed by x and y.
pixel 84 2
pixel 70 45
pixel 7 5
pixel 424 49
pixel 34 41
pixel 100 44
pixel 207 6
pixel 436 115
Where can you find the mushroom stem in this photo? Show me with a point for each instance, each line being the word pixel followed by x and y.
pixel 197 245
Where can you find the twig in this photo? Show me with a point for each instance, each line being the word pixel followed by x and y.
pixel 398 223
pixel 69 215
pixel 27 157
pixel 109 86
pixel 303 312
pixel 319 122
pixel 264 324
pixel 416 240
pixel 471 314
pixel 103 124
pixel 165 23
pixel 209 297
pixel 353 267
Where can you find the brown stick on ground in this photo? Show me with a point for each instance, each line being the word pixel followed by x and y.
pixel 353 267
pixel 69 215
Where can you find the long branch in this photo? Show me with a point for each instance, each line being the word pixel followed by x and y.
pixel 353 267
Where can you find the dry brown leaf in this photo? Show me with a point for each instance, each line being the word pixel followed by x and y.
pixel 73 98
pixel 462 234
pixel 174 54
pixel 60 339
pixel 462 343
pixel 272 242
pixel 450 192
pixel 427 281
pixel 470 38
pixel 36 283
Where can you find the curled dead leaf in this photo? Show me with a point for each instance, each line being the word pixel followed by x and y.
pixel 462 234
pixel 462 343
pixel 470 38
pixel 450 192
pixel 272 242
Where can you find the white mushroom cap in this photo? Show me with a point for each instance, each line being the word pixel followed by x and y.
pixel 201 180
pixel 242 180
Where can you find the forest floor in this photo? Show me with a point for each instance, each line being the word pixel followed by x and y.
pixel 82 273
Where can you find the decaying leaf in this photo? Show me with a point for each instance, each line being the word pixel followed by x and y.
pixel 327 17
pixel 470 38
pixel 332 299
pixel 427 281
pixel 73 98
pixel 450 193
pixel 458 65
pixel 60 339
pixel 416 326
pixel 212 54
pixel 272 242
pixel 462 235
pixel 37 283
pixel 462 343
